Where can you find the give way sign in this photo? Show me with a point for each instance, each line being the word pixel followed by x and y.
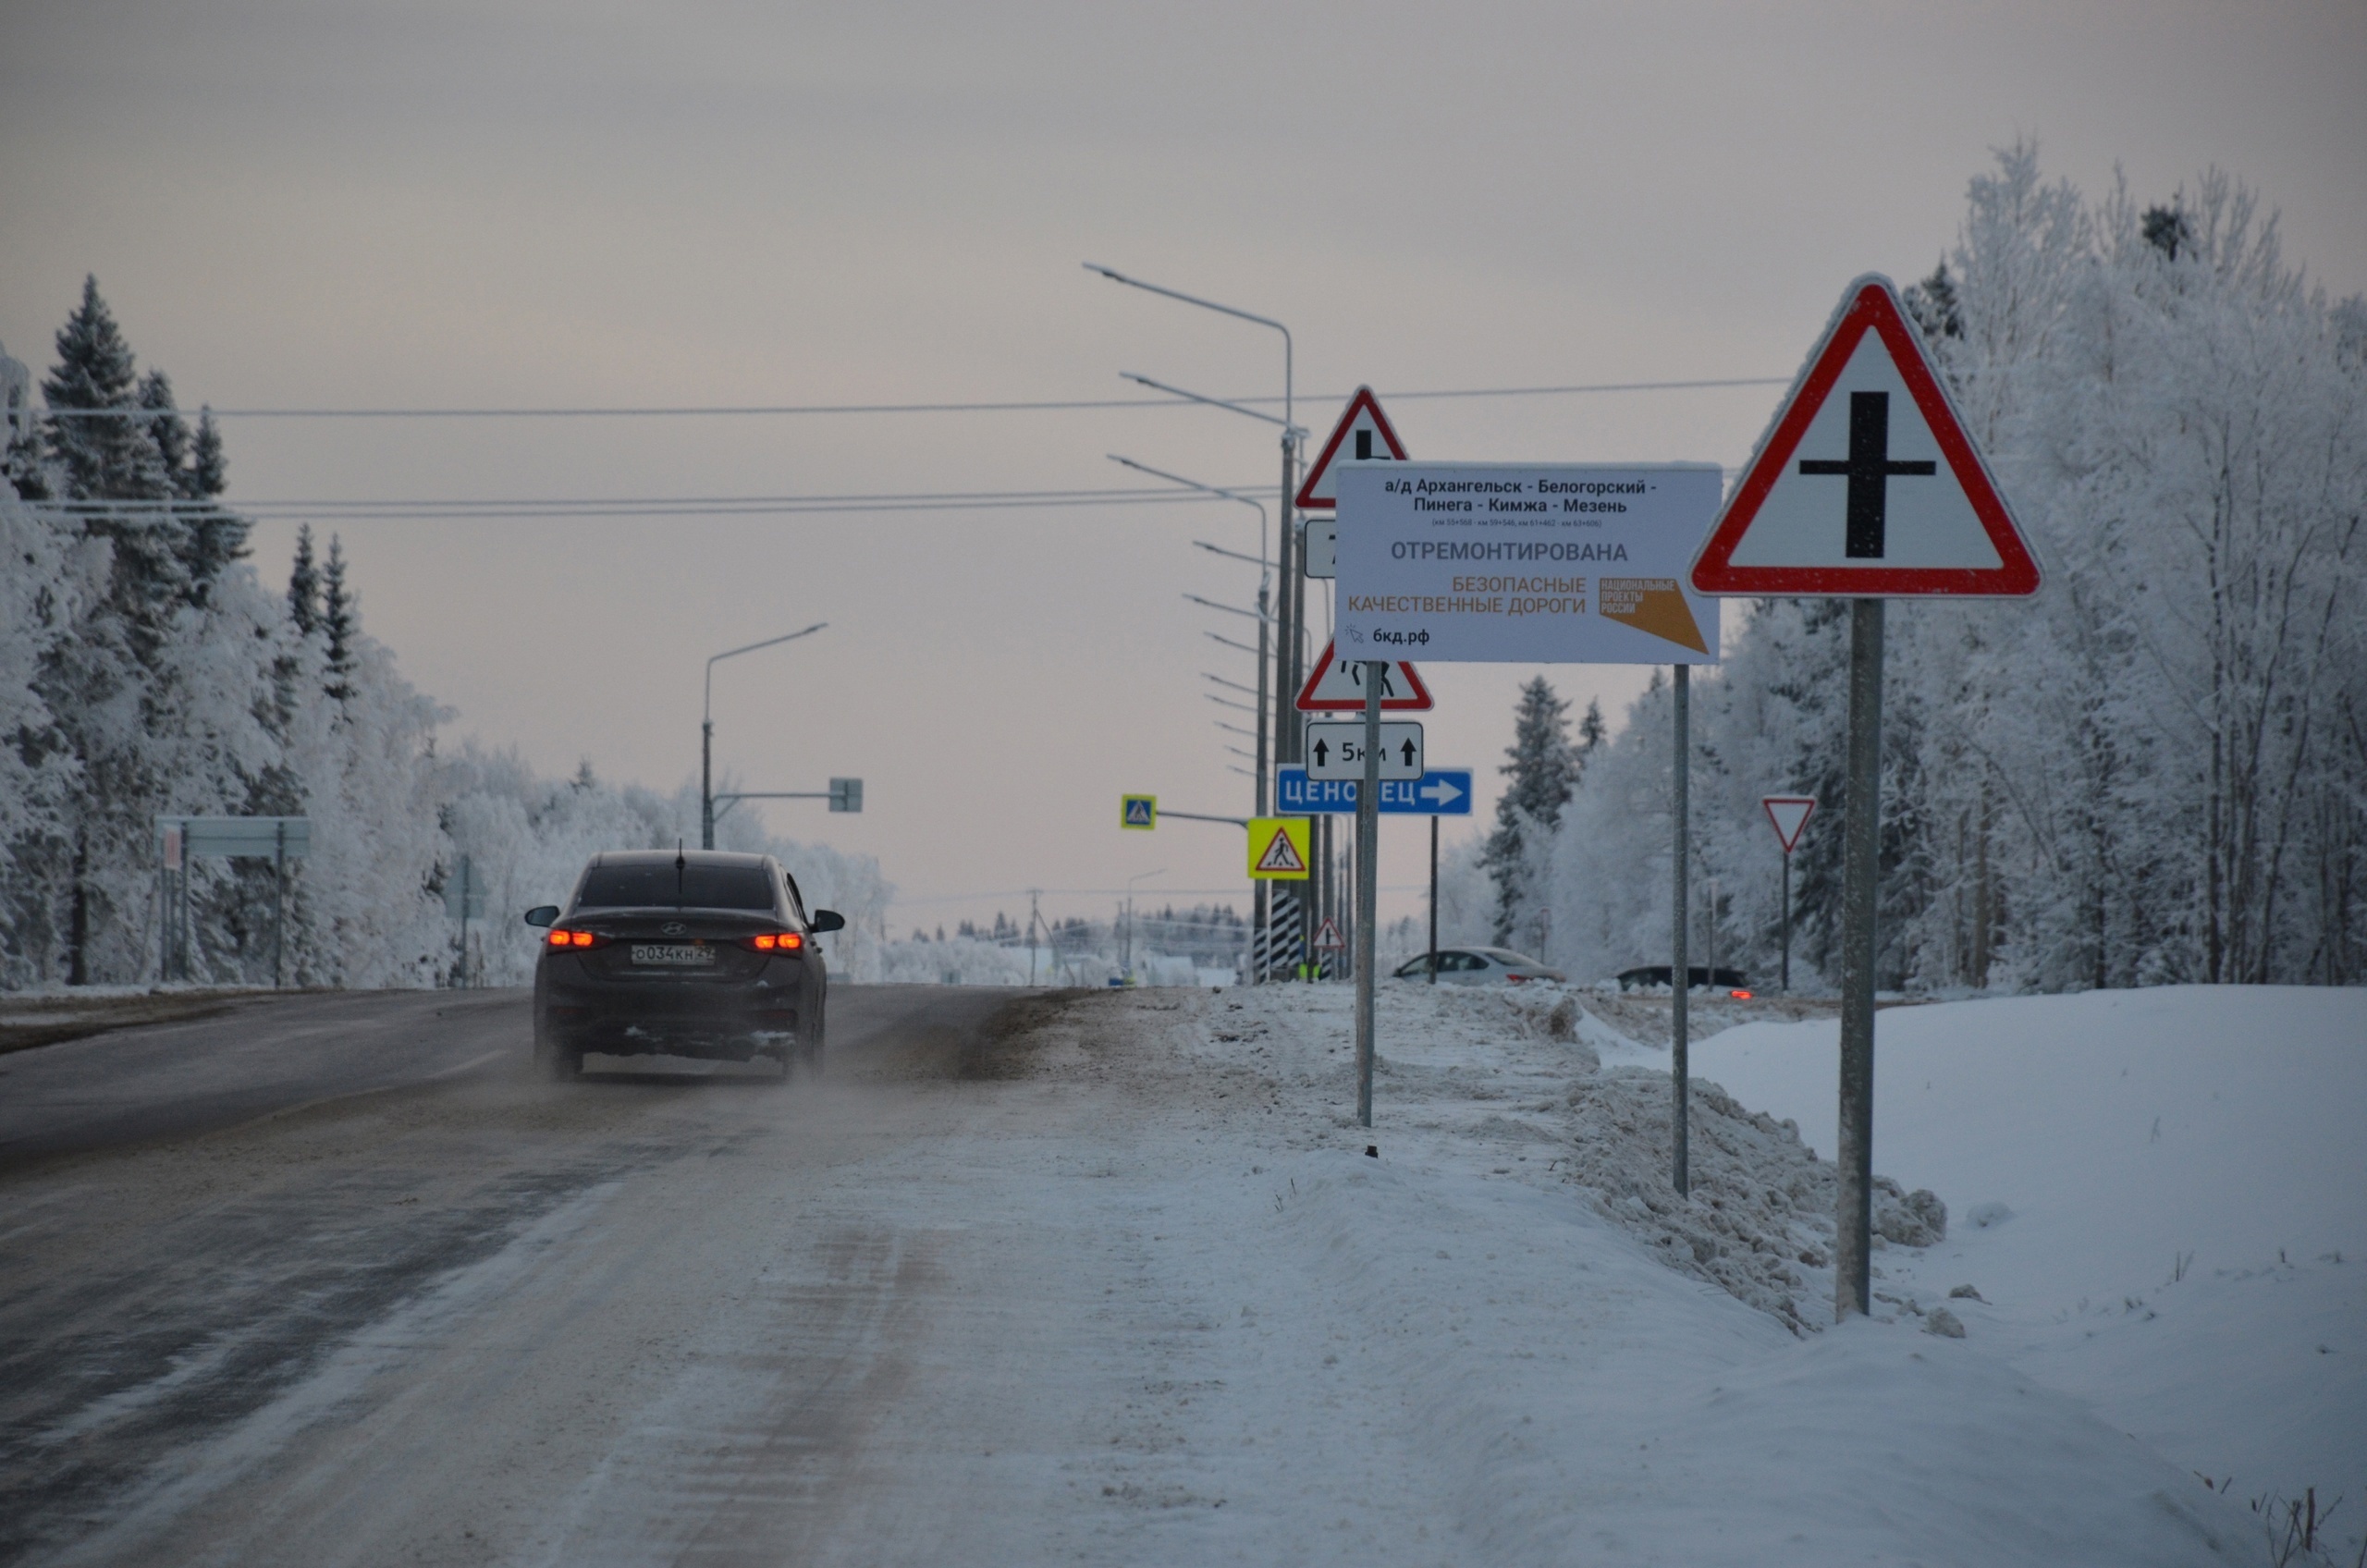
pixel 1789 814
pixel 1867 486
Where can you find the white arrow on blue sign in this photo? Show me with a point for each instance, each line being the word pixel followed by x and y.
pixel 1442 792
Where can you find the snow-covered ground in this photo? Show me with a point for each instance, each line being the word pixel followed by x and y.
pixel 1451 1351
pixel 2160 1195
pixel 1127 1288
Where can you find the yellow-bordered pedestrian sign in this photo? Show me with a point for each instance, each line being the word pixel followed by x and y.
pixel 1138 812
pixel 1278 847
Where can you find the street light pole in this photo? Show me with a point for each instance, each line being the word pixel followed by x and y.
pixel 1264 612
pixel 1291 611
pixel 707 730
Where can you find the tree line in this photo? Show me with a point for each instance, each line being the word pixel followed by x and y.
pixel 145 670
pixel 2155 771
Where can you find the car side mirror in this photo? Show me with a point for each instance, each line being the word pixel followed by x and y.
pixel 828 920
pixel 542 914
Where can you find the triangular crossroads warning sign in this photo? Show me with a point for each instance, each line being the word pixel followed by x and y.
pixel 1327 936
pixel 1363 433
pixel 1866 484
pixel 1789 814
pixel 1338 686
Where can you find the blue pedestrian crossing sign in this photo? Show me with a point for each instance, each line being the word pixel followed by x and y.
pixel 1442 792
pixel 1138 812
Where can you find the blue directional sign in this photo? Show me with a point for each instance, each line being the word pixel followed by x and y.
pixel 1442 792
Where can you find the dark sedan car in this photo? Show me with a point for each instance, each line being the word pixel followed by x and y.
pixel 679 952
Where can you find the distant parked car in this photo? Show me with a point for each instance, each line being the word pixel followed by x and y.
pixel 1479 966
pixel 1645 976
pixel 692 954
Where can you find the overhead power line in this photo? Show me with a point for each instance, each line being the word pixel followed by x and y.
pixel 1058 405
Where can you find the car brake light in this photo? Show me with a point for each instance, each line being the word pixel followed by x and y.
pixel 776 941
pixel 577 939
pixel 1739 995
pixel 1514 979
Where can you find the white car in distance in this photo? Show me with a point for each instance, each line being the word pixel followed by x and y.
pixel 1478 966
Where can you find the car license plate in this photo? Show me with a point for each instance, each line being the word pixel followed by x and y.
pixel 670 956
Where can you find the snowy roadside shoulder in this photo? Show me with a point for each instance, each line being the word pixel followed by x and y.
pixel 1456 1348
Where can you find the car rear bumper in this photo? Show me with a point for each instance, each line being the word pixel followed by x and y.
pixel 728 1021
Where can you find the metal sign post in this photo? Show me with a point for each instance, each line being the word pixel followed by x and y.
pixel 276 839
pixel 1368 885
pixel 1680 973
pixel 1861 850
pixel 466 878
pixel 464 901
pixel 1434 901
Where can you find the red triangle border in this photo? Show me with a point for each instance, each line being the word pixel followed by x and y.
pixel 1420 702
pixel 1871 304
pixel 1306 500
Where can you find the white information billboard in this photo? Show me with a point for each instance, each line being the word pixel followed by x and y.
pixel 1522 563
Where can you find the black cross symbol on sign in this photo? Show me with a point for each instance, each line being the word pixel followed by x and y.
pixel 1868 468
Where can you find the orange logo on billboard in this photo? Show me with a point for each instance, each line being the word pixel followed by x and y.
pixel 1654 604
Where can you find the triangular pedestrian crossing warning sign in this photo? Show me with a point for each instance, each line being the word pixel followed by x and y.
pixel 1867 483
pixel 1363 432
pixel 1278 847
pixel 1282 856
pixel 1337 685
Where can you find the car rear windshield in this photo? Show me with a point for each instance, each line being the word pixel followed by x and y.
pixel 702 886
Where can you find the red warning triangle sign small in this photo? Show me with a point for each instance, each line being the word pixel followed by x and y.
pixel 1363 432
pixel 1867 484
pixel 1337 685
pixel 1282 855
pixel 1327 936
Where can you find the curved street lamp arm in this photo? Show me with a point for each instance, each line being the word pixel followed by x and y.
pixel 1288 349
pixel 707 709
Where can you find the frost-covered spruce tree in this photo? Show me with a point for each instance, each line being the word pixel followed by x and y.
pixel 1541 767
pixel 341 621
pixel 304 584
pixel 149 682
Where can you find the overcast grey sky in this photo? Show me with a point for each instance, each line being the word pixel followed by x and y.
pixel 489 204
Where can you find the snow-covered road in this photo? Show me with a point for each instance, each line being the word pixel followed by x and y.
pixel 1113 1281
